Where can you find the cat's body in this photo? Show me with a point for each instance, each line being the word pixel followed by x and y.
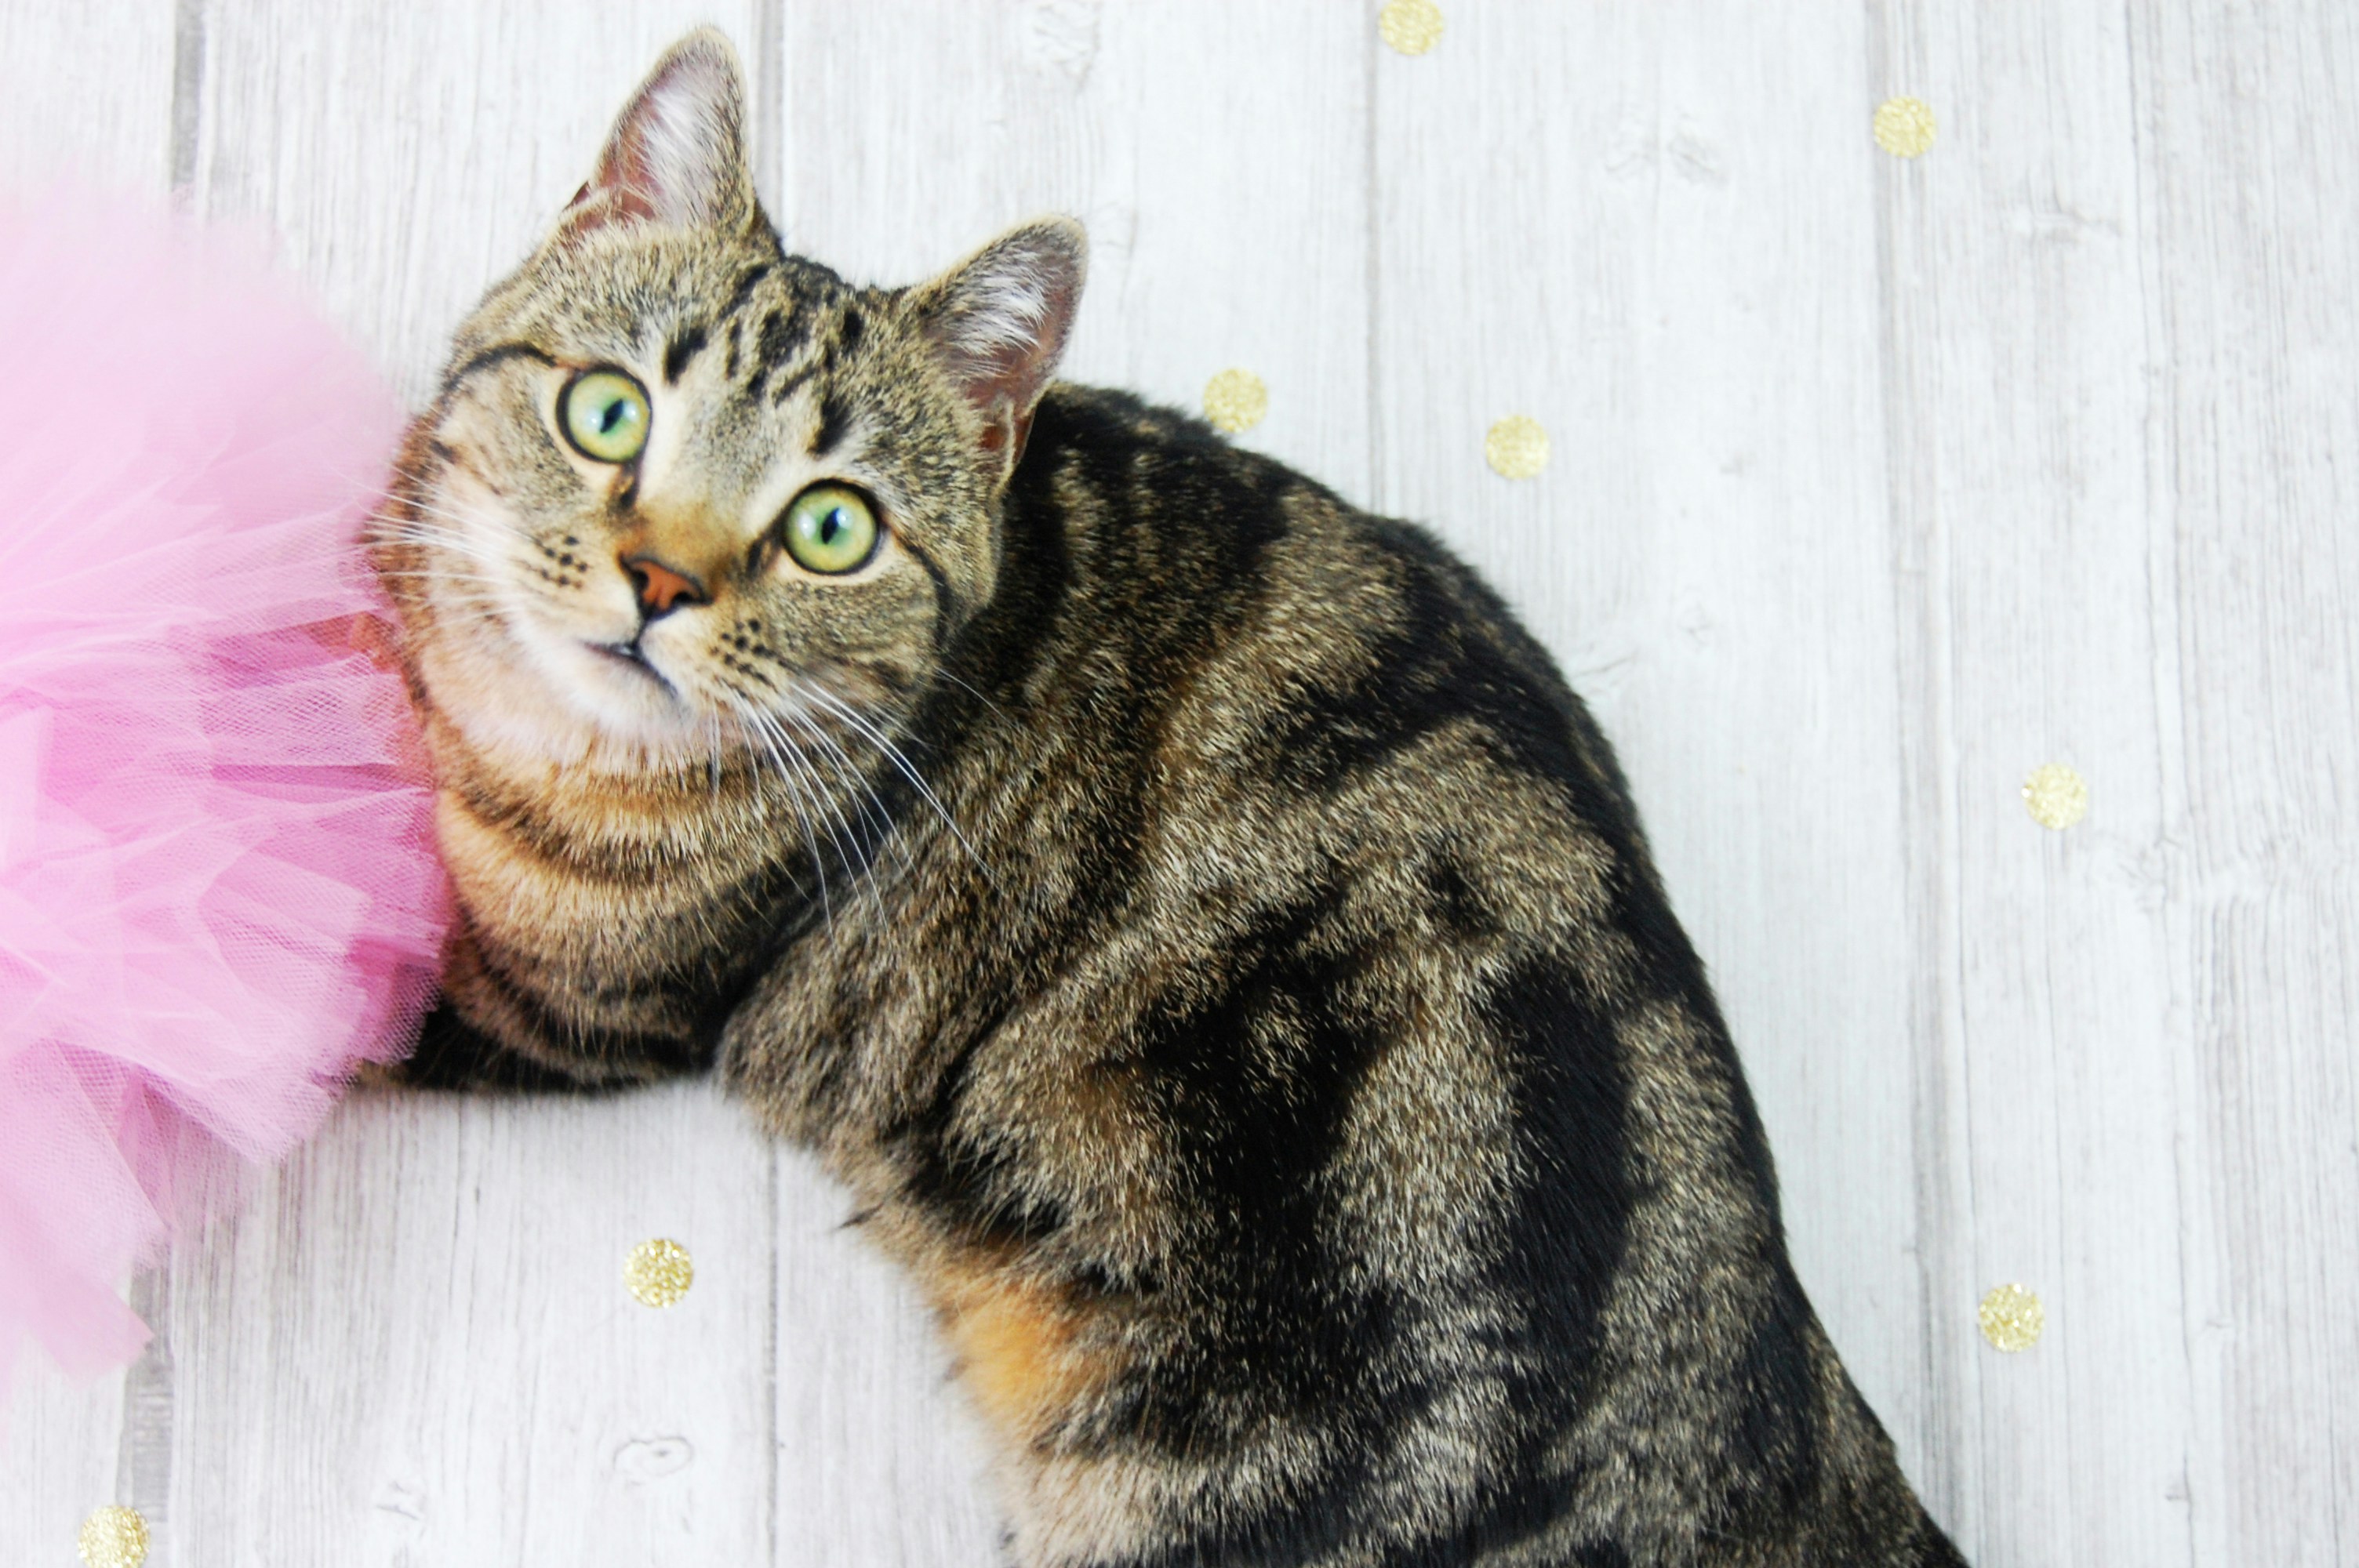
pixel 1196 922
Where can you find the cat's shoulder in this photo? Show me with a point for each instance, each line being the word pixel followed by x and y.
pixel 1071 414
pixel 1243 520
pixel 1179 469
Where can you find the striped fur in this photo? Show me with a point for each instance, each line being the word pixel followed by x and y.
pixel 1193 919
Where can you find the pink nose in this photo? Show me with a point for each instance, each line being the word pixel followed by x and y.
pixel 661 589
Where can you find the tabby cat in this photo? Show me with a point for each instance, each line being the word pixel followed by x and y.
pixel 1192 917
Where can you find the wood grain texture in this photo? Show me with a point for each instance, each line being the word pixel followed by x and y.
pixel 877 1460
pixel 414 1346
pixel 59 1451
pixel 1876 484
pixel 89 93
pixel 2249 228
pixel 2016 390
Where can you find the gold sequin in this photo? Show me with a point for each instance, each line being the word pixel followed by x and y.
pixel 2012 1318
pixel 658 1273
pixel 2056 796
pixel 113 1537
pixel 1411 27
pixel 1517 447
pixel 1903 127
pixel 1236 400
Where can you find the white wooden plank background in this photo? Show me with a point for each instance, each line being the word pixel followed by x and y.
pixel 1876 485
pixel 2017 408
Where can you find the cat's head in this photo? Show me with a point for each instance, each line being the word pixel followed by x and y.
pixel 679 489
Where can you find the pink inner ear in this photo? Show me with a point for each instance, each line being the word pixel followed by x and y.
pixel 624 187
pixel 675 154
pixel 1008 380
pixel 601 208
pixel 1002 323
pixel 625 184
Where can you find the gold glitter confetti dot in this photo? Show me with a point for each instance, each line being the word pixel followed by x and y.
pixel 1236 400
pixel 2056 796
pixel 1516 447
pixel 1411 27
pixel 2012 1318
pixel 113 1537
pixel 658 1272
pixel 1903 127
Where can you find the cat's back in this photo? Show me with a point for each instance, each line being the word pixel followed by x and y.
pixel 1346 642
pixel 1448 1142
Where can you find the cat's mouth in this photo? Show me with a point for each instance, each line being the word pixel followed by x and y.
pixel 631 656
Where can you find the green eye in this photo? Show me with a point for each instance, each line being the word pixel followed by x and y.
pixel 605 415
pixel 829 528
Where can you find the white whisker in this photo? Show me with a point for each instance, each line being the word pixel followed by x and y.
pixel 770 738
pixel 842 832
pixel 893 753
pixel 850 773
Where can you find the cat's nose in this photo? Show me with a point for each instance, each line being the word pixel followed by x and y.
pixel 661 589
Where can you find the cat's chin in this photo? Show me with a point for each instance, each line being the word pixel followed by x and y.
pixel 599 704
pixel 626 696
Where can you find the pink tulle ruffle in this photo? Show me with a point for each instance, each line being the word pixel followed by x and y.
pixel 218 890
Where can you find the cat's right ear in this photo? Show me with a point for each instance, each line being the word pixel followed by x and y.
pixel 998 322
pixel 676 153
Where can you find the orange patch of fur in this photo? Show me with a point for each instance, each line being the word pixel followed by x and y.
pixel 1017 1343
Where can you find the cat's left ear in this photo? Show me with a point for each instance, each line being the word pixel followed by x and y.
pixel 1000 320
pixel 676 153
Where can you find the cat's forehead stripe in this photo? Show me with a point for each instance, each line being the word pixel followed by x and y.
pixel 685 346
pixel 778 345
pixel 746 284
pixel 835 421
pixel 790 384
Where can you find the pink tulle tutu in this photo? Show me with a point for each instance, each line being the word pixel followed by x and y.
pixel 218 890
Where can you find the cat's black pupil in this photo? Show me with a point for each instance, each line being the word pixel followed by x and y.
pixel 830 525
pixel 612 416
